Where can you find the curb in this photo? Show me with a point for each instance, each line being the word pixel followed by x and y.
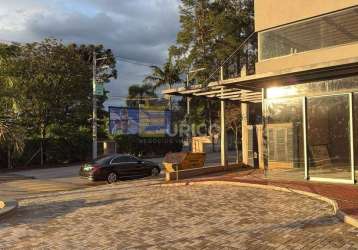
pixel 337 211
pixel 7 207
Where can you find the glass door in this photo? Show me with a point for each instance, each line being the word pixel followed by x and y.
pixel 329 145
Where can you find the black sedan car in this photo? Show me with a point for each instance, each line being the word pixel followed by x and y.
pixel 118 166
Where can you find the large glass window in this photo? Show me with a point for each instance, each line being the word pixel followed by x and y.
pixel 328 137
pixel 285 134
pixel 329 30
pixel 328 128
pixel 355 129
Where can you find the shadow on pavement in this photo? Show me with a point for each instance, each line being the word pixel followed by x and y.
pixel 42 213
pixel 119 186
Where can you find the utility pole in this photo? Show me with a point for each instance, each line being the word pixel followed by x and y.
pixel 94 109
pixel 188 114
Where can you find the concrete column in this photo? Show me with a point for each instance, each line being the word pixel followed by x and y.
pixel 260 142
pixel 244 133
pixel 223 135
pixel 264 133
pixel 223 140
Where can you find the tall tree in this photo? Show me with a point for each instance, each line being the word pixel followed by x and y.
pixel 169 74
pixel 11 133
pixel 210 32
pixel 52 83
pixel 194 49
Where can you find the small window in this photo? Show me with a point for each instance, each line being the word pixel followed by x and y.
pixel 125 159
pixel 117 160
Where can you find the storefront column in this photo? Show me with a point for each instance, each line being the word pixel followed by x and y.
pixel 223 140
pixel 244 133
pixel 351 128
pixel 304 123
pixel 263 153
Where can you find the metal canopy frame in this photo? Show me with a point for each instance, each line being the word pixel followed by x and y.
pixel 249 88
pixel 229 93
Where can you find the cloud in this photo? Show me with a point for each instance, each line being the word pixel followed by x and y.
pixel 138 29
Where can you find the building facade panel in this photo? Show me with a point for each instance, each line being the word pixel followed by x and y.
pixel 315 41
pixel 316 59
pixel 273 13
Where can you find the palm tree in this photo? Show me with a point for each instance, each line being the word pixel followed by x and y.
pixel 11 134
pixel 168 74
pixel 138 93
pixel 12 137
pixel 3 130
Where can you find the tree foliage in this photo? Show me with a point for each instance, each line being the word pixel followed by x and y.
pixel 137 94
pixel 210 32
pixel 233 119
pixel 46 87
pixel 169 74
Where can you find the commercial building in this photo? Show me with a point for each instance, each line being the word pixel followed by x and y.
pixel 306 85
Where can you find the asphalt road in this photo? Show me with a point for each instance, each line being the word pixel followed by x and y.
pixel 22 184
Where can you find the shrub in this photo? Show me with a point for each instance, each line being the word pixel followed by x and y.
pixel 148 146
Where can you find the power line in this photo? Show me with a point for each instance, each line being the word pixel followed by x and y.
pixel 132 61
pixel 138 99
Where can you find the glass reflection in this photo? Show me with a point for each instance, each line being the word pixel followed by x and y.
pixel 314 88
pixel 285 135
pixel 328 137
pixel 355 122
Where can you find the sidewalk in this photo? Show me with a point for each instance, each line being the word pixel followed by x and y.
pixel 346 196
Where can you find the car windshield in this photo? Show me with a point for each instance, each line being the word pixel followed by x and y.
pixel 103 159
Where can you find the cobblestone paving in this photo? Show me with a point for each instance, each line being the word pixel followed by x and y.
pixel 139 215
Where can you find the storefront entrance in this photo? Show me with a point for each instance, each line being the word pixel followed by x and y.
pixel 311 131
pixel 328 138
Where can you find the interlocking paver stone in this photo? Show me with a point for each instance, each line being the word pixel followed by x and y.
pixel 138 215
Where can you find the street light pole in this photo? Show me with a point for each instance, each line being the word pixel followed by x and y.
pixel 94 109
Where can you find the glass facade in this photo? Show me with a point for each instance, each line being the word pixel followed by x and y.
pixel 319 112
pixel 355 132
pixel 284 132
pixel 328 137
pixel 321 32
pixel 341 85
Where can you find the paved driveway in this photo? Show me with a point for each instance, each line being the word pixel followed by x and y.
pixel 140 215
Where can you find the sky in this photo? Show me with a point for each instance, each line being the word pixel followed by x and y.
pixel 141 30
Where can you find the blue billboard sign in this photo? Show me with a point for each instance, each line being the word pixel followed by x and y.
pixel 139 121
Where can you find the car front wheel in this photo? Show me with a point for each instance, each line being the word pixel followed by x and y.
pixel 112 177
